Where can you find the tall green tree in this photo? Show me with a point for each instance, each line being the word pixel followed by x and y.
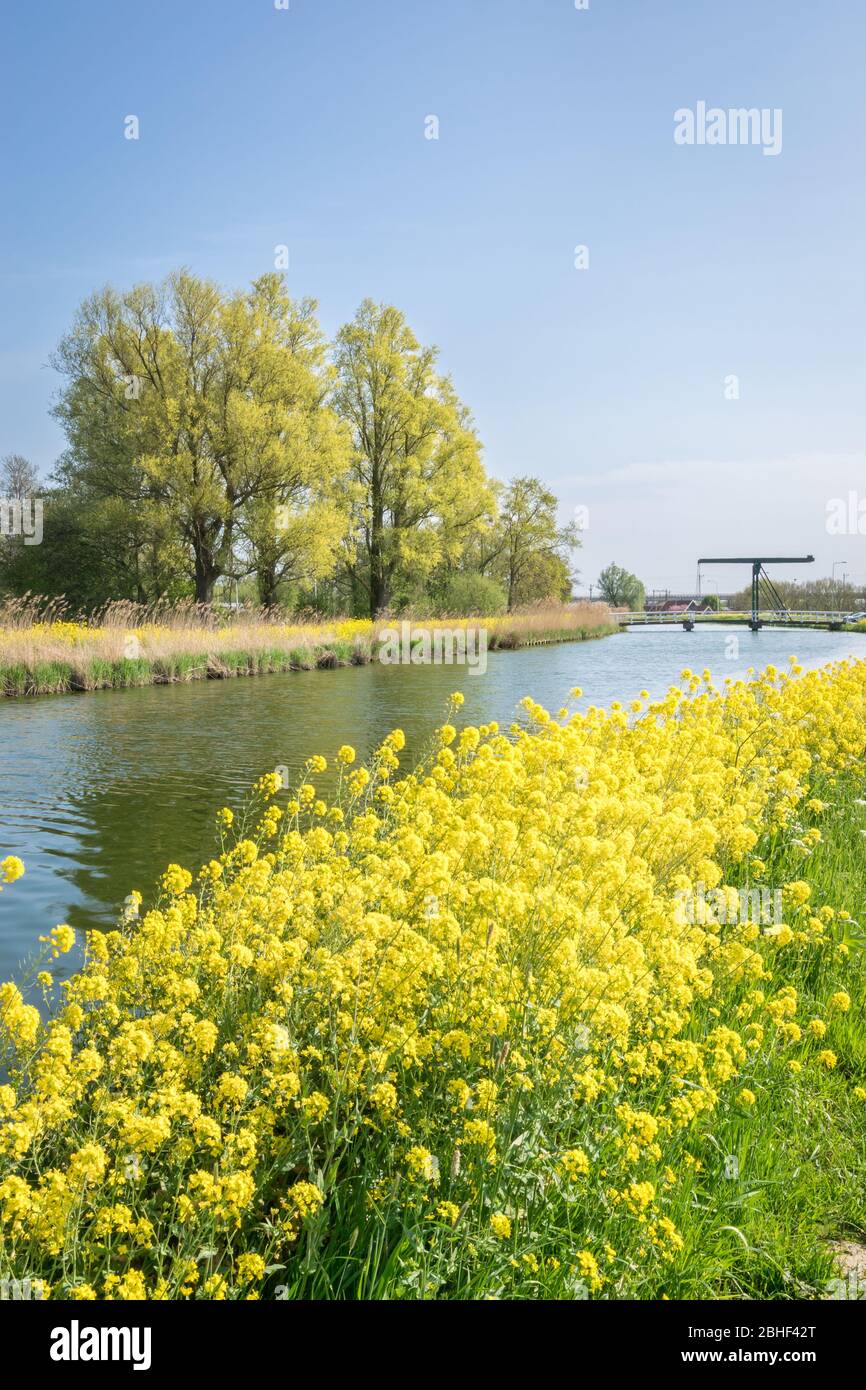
pixel 201 412
pixel 419 490
pixel 622 589
pixel 546 575
pixel 294 542
pixel 526 549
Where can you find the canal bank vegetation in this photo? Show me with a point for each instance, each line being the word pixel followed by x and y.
pixel 45 651
pixel 452 1035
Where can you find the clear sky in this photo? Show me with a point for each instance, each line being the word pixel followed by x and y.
pixel 306 127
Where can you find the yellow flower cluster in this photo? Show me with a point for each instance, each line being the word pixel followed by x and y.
pixel 67 633
pixel 11 869
pixel 293 1059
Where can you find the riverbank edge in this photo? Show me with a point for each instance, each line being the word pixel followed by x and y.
pixel 23 681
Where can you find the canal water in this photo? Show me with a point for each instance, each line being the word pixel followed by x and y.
pixel 98 792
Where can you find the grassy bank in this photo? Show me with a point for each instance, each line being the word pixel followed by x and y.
pixel 502 1028
pixel 123 646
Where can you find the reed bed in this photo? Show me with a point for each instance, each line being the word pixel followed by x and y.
pixel 45 649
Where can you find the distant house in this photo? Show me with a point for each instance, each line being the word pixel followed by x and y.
pixel 663 601
pixel 692 605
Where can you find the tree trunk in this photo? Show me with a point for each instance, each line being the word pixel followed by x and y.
pixel 267 587
pixel 379 591
pixel 206 575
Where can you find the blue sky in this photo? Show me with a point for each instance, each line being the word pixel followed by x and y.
pixel 306 127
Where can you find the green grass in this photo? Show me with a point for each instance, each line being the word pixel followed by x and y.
pixel 802 1149
pixel 16 679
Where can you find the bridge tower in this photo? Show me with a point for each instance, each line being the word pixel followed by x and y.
pixel 759 575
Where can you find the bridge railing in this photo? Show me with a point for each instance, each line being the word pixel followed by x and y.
pixel 832 615
pixel 764 614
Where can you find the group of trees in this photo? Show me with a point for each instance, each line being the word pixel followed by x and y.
pixel 216 441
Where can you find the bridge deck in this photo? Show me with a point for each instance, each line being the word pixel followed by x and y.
pixel 767 618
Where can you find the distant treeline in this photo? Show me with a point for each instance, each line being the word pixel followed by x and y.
pixel 813 595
